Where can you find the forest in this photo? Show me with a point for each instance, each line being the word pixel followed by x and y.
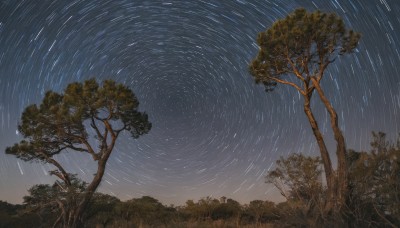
pixel 89 117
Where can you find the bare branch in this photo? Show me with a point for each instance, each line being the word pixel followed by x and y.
pixel 288 83
pixel 93 125
pixel 86 143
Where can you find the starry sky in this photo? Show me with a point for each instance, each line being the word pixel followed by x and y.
pixel 215 132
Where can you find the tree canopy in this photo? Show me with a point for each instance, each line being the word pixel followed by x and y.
pixel 86 118
pixel 58 123
pixel 302 44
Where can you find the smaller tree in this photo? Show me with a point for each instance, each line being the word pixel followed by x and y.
pixel 298 178
pixel 101 210
pixel 146 211
pixel 62 122
pixel 227 209
pixel 261 211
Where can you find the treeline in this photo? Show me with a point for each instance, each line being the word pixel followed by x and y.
pixel 374 199
pixel 108 211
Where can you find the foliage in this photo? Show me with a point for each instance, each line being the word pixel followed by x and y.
pixel 261 211
pixel 146 210
pixel 297 177
pixel 302 44
pixel 375 183
pixel 58 123
pixel 101 210
pixel 86 118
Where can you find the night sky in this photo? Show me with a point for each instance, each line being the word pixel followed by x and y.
pixel 215 132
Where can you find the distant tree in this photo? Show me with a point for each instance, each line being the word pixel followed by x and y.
pixel 298 178
pixel 146 211
pixel 101 210
pixel 261 211
pixel 227 209
pixel 206 206
pixel 296 51
pixel 65 122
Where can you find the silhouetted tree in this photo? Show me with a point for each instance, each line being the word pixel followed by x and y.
pixel 296 51
pixel 61 122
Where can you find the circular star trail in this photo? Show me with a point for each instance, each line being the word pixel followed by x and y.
pixel 215 132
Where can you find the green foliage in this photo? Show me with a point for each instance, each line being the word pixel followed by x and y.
pixel 58 123
pixel 297 177
pixel 61 123
pixel 262 211
pixel 301 44
pixel 146 211
pixel 375 183
pixel 101 210
pixel 227 210
pixel 48 202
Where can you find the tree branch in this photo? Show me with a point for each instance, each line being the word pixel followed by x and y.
pixel 64 176
pixel 93 125
pixel 86 143
pixel 288 83
pixel 295 70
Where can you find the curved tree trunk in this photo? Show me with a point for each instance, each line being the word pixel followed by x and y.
pixel 329 174
pixel 342 179
pixel 77 216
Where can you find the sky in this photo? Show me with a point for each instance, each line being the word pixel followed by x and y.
pixel 215 132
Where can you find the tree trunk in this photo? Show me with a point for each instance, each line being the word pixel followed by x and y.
pixel 77 216
pixel 342 179
pixel 329 174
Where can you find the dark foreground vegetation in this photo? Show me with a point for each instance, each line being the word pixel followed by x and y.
pixel 374 199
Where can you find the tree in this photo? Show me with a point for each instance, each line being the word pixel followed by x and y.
pixel 227 209
pixel 296 51
pixel 101 210
pixel 65 122
pixel 375 183
pixel 298 178
pixel 146 211
pixel 261 211
pixel 46 201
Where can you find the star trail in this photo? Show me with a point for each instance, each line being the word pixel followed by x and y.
pixel 215 132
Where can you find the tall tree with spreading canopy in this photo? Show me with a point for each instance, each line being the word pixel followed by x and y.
pixel 296 51
pixel 86 118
